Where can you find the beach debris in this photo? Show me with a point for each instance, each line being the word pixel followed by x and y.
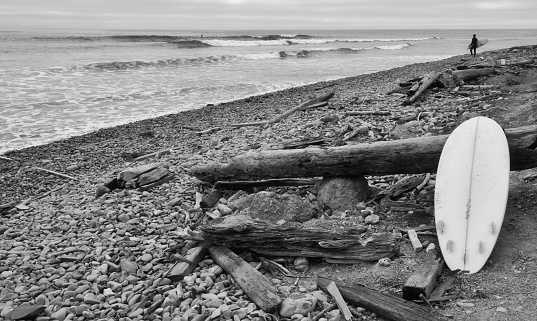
pixel 258 288
pixel 185 267
pixel 342 305
pixel 423 280
pixel 413 237
pixel 298 304
pixel 55 173
pixel 313 103
pixel 141 177
pixel 265 238
pixel 423 84
pixel 388 306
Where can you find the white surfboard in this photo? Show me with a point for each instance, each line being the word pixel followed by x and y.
pixel 480 43
pixel 472 185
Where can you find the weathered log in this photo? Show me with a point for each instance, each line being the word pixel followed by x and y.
pixel 243 232
pixel 388 306
pixel 161 181
pixel 427 81
pixel 152 176
pixel 265 183
pixel 258 288
pixel 468 74
pixel 406 156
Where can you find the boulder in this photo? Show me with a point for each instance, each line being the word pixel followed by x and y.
pixel 342 193
pixel 274 207
pixel 28 311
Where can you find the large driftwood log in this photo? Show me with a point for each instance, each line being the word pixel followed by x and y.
pixel 258 288
pixel 388 306
pixel 467 74
pixel 407 156
pixel 243 232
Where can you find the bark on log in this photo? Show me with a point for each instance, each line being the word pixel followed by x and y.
pixel 243 232
pixel 427 81
pixel 407 156
pixel 388 306
pixel 258 288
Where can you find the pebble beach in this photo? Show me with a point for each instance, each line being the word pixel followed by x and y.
pixel 73 256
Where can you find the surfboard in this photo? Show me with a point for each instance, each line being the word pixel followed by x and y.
pixel 480 43
pixel 472 185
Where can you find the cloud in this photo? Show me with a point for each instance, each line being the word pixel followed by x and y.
pixel 268 14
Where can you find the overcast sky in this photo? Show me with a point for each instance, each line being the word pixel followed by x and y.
pixel 267 14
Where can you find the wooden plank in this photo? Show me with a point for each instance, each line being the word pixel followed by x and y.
pixel 333 290
pixel 413 237
pixel 258 288
pixel 182 269
pixel 387 306
pixel 422 281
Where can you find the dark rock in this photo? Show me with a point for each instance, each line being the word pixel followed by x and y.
pixel 24 312
pixel 273 207
pixel 342 193
pixel 152 176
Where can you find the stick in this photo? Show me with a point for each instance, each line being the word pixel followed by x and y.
pixel 56 173
pixel 367 112
pixel 334 291
pixel 324 311
pixel 6 158
pixel 208 131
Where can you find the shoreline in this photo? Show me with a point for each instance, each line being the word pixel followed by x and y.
pixel 65 250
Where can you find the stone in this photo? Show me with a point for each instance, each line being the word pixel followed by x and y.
pixel 274 207
pixel 28 311
pixel 91 299
pixel 133 172
pixel 101 190
pixel 342 193
pixel 128 266
pixel 59 315
pixel 372 219
pixel 298 303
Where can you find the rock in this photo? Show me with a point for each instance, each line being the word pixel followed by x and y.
pixel 372 219
pixel 298 303
pixel 342 193
pixel 101 190
pixel 128 266
pixel 59 315
pixel 301 264
pixel 28 311
pixel 408 130
pixel 71 168
pixel 273 207
pixel 152 176
pixel 133 172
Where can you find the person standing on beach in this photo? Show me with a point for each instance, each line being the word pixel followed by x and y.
pixel 473 46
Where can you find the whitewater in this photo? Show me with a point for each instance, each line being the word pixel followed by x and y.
pixel 56 83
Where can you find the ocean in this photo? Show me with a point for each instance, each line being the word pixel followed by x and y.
pixel 56 84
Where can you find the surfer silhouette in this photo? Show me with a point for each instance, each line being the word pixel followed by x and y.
pixel 473 46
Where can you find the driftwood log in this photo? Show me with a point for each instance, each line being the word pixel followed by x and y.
pixel 425 83
pixel 258 288
pixel 243 232
pixel 468 74
pixel 406 156
pixel 387 306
